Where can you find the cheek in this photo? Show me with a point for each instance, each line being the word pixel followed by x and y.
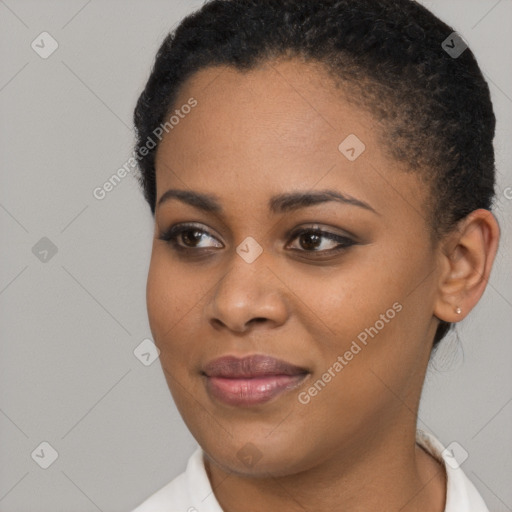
pixel 381 316
pixel 174 299
pixel 166 295
pixel 373 306
pixel 157 296
pixel 345 300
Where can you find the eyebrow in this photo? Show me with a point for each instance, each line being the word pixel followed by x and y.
pixel 281 203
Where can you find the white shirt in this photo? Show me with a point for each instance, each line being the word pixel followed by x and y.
pixel 192 492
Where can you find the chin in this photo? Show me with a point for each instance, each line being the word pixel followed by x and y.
pixel 252 452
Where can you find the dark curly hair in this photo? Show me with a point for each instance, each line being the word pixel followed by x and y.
pixel 434 107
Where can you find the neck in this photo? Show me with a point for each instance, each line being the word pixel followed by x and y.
pixel 384 472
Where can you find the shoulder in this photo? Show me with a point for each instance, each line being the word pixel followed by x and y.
pixel 188 492
pixel 461 494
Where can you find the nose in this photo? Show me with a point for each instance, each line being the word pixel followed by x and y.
pixel 249 295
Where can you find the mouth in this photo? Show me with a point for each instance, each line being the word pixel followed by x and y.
pixel 251 380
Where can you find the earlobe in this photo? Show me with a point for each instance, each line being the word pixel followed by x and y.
pixel 466 258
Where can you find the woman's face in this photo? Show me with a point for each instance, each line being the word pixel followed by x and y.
pixel 349 311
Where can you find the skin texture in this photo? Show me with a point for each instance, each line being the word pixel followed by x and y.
pixel 270 131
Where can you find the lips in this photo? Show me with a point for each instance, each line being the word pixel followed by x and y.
pixel 250 380
pixel 231 367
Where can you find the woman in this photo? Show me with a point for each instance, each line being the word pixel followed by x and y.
pixel 321 175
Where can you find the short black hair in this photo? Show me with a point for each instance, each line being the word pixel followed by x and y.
pixel 435 105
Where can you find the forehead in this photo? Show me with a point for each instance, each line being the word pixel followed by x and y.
pixel 282 126
pixel 285 104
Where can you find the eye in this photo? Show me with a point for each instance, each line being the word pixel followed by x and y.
pixel 310 239
pixel 189 234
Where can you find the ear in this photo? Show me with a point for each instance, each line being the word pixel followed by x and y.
pixel 466 257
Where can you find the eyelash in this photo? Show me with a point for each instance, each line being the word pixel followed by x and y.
pixel 172 234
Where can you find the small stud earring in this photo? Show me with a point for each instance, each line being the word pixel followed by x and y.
pixel 458 311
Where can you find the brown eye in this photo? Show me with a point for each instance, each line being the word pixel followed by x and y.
pixel 317 240
pixel 190 236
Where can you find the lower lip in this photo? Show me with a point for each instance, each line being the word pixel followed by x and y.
pixel 254 391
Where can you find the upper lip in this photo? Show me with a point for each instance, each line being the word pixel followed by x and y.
pixel 250 366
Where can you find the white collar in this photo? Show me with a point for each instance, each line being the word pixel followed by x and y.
pixel 461 494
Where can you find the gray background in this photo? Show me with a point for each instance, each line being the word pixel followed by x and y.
pixel 70 324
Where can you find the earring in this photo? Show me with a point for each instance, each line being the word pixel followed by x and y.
pixel 458 311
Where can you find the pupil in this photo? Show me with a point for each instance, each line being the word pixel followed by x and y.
pixel 195 238
pixel 311 244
